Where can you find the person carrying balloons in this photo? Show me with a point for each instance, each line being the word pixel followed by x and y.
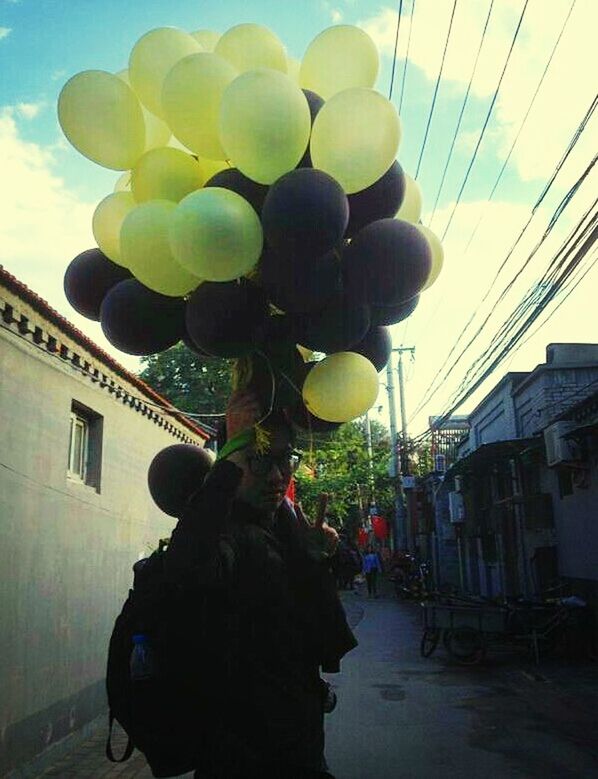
pixel 268 576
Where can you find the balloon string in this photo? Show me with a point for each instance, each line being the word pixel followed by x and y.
pixel 273 385
pixel 310 434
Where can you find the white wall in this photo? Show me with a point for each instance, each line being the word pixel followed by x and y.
pixel 66 551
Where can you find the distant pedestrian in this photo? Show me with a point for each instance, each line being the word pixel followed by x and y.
pixel 371 568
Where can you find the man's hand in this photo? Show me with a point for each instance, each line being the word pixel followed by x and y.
pixel 324 536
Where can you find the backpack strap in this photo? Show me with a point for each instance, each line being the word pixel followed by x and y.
pixel 109 753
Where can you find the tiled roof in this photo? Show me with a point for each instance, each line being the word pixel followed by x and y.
pixel 27 295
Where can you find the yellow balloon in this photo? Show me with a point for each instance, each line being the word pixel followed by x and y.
pixel 157 132
pixel 165 174
pixel 212 167
pixel 341 57
pixel 264 124
pixel 154 54
pixel 207 39
pixel 293 68
pixel 102 118
pixel 191 98
pixel 145 248
pixel 411 207
pixel 216 235
pixel 209 167
pixel 123 182
pixel 107 222
pixel 355 138
pixel 341 387
pixel 250 46
pixel 437 254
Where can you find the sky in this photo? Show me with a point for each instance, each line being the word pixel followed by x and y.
pixel 48 192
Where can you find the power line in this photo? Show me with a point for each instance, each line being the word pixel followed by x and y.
pixel 545 282
pixel 394 58
pixel 496 183
pixel 431 391
pixel 473 72
pixel 485 125
pixel 579 246
pixel 521 126
pixel 556 278
pixel 446 43
pixel 406 57
pixel 533 297
pixel 563 299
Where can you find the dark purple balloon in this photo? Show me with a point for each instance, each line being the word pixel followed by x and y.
pixel 335 328
pixel 379 201
pixel 226 319
pixel 300 286
pixel 175 474
pixel 139 321
pixel 305 214
pixel 315 102
pixel 386 263
pixel 233 179
pixel 376 346
pixel 391 315
pixel 88 279
pixel 306 421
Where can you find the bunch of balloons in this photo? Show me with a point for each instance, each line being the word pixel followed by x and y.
pixel 261 208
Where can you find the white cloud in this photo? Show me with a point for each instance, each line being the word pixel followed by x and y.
pixel 43 225
pixel 28 110
pixel 568 88
pixel 5 32
pixel 335 13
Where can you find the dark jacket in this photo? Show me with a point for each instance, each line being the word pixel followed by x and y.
pixel 277 621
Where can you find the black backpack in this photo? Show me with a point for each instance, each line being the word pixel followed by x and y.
pixel 164 716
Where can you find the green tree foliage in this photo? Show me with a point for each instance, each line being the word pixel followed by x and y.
pixel 420 458
pixel 339 465
pixel 189 382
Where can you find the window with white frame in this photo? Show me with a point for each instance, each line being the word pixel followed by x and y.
pixel 85 446
pixel 78 446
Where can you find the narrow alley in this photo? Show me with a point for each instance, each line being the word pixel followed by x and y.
pixel 400 716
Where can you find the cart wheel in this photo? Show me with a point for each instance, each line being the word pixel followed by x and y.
pixel 429 642
pixel 465 645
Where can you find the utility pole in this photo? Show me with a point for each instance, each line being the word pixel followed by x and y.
pixel 405 458
pixel 400 463
pixel 368 437
pixel 400 541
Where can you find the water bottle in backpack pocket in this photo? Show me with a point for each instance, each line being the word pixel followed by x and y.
pixel 152 688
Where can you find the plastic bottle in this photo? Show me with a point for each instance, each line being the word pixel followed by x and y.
pixel 142 658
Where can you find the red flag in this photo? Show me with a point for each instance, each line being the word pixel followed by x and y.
pixel 380 527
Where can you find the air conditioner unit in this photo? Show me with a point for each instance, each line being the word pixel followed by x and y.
pixel 559 449
pixel 456 507
pixel 439 463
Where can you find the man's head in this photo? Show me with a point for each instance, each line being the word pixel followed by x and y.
pixel 267 473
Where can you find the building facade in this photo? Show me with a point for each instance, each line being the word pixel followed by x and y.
pixel 520 503
pixel 77 435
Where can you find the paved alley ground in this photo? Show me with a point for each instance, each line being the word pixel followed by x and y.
pixel 400 716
